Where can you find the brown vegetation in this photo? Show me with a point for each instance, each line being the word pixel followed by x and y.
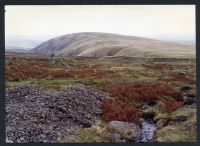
pixel 175 77
pixel 123 106
pixel 91 72
pixel 172 105
pixel 156 66
pixel 119 110
pixel 144 93
pixel 23 71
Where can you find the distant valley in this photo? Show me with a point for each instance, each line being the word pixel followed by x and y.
pixel 20 44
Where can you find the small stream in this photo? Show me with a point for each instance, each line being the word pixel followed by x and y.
pixel 148 128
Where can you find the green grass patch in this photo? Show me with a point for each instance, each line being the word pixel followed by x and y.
pixel 18 83
pixel 56 82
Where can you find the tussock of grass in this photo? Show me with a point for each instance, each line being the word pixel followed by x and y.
pixel 95 133
pixel 179 132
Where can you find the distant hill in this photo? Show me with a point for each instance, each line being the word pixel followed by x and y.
pixel 98 45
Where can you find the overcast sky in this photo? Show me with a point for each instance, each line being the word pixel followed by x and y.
pixel 161 21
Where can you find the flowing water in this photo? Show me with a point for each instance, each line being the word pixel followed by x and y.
pixel 148 128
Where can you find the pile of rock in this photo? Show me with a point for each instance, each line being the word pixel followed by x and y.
pixel 35 115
